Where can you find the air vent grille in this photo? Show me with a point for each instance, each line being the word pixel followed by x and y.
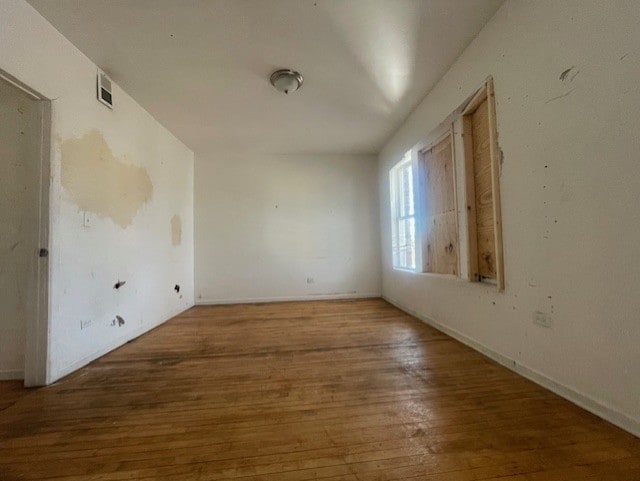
pixel 105 94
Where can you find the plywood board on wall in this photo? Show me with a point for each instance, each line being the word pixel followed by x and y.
pixel 486 247
pixel 440 245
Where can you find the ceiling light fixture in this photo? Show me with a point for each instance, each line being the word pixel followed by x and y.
pixel 286 80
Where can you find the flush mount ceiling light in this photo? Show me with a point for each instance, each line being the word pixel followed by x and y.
pixel 286 80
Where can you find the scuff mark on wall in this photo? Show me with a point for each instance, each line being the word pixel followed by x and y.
pixel 553 99
pixel 176 230
pixel 101 183
pixel 569 74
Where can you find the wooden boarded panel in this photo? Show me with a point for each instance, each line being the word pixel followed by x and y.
pixel 495 175
pixel 440 245
pixel 470 196
pixel 486 247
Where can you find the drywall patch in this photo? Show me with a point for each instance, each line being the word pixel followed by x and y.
pixel 101 183
pixel 176 230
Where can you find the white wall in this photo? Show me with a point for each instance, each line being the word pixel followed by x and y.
pixel 266 223
pixel 85 263
pixel 570 200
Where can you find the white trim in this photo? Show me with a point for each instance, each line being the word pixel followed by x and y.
pixel 19 85
pixel 580 399
pixel 12 375
pixel 36 345
pixel 121 341
pixel 406 269
pixel 35 368
pixel 315 297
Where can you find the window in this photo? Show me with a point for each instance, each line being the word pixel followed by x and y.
pixel 403 220
pixel 482 174
pixel 437 189
pixel 426 222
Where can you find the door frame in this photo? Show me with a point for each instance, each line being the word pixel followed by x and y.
pixel 37 328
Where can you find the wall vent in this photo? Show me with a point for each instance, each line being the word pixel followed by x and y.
pixel 105 94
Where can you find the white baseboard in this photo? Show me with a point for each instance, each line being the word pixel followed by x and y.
pixel 11 375
pixel 316 297
pixel 584 401
pixel 120 341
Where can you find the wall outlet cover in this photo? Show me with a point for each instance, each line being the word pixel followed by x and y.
pixel 87 219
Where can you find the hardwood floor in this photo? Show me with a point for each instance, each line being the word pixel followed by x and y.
pixel 335 390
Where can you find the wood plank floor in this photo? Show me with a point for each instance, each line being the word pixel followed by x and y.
pixel 335 390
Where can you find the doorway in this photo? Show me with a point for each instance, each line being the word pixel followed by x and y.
pixel 24 217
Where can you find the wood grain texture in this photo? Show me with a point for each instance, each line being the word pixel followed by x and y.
pixel 470 196
pixel 486 249
pixel 10 392
pixel 440 245
pixel 331 390
pixel 495 184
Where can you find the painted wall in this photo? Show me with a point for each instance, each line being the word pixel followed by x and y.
pixel 118 171
pixel 20 132
pixel 570 188
pixel 272 227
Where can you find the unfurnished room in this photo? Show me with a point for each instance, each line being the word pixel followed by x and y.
pixel 336 240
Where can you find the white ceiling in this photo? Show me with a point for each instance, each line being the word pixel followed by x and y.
pixel 201 67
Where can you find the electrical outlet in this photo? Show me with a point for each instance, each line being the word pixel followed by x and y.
pixel 542 319
pixel 310 280
pixel 87 219
pixel 84 323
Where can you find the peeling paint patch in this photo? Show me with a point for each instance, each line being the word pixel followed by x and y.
pixel 101 183
pixel 176 230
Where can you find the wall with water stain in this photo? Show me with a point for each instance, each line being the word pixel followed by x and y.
pixel 99 183
pixel 121 200
pixel 568 108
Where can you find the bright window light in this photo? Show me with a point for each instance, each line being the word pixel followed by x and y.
pixel 403 222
